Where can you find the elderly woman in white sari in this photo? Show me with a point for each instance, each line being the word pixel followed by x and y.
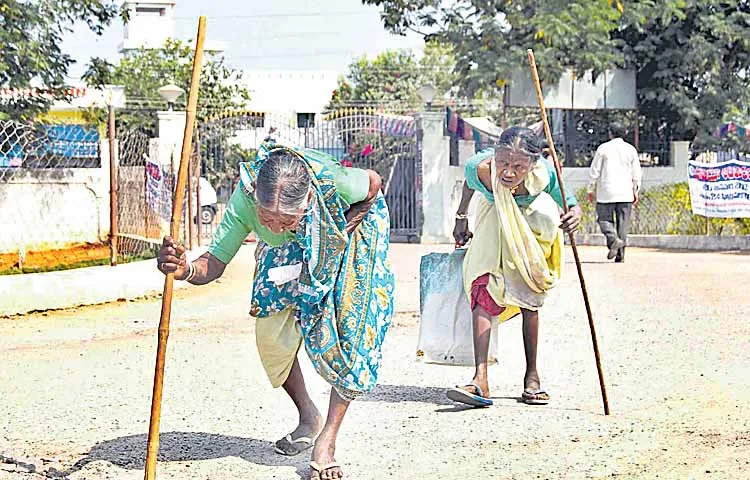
pixel 515 256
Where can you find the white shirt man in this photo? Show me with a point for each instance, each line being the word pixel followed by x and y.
pixel 615 174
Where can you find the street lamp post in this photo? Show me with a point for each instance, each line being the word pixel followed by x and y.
pixel 170 93
pixel 427 94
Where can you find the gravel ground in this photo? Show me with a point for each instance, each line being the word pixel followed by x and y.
pixel 75 386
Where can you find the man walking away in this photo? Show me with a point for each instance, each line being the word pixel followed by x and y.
pixel 616 175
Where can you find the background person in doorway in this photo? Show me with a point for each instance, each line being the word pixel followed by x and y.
pixel 615 175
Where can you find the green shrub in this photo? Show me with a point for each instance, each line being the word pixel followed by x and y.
pixel 666 209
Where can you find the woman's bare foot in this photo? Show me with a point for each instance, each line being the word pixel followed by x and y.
pixel 324 465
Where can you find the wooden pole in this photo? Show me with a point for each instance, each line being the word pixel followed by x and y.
pixel 558 168
pixel 166 302
pixel 183 220
pixel 112 186
pixel 504 118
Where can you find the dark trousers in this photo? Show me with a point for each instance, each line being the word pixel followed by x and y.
pixel 614 220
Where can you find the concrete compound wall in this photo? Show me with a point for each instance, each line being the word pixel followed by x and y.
pixel 20 294
pixel 43 209
pixel 50 208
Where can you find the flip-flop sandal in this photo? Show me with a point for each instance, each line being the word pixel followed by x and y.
pixel 460 395
pixel 291 447
pixel 532 397
pixel 322 468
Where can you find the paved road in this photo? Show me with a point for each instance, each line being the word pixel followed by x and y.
pixel 75 386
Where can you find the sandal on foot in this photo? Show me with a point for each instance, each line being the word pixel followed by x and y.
pixel 319 469
pixel 291 447
pixel 460 395
pixel 535 397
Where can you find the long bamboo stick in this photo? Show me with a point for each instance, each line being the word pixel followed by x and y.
pixel 166 301
pixel 558 169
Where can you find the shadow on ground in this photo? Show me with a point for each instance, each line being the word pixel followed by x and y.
pixel 407 393
pixel 130 452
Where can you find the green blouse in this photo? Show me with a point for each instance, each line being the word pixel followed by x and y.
pixel 241 216
pixel 553 189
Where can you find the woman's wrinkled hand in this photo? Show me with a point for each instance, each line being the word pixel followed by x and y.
pixel 171 259
pixel 461 232
pixel 572 220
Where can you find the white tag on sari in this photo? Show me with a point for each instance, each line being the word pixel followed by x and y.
pixel 285 273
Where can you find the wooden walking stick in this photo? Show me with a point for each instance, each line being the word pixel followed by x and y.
pixel 558 169
pixel 166 300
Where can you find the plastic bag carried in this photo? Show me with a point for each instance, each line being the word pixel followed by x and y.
pixel 445 327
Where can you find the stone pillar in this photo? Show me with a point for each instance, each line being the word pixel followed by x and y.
pixel 171 131
pixel 680 157
pixel 435 173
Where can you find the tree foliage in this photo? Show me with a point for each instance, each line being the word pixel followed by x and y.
pixel 692 69
pixel 394 77
pixel 142 72
pixel 690 55
pixel 31 36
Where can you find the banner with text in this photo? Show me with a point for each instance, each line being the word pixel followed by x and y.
pixel 720 189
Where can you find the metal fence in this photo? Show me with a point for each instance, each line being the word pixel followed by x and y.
pixel 145 188
pixel 666 210
pixel 578 133
pixel 55 203
pixel 139 230
pixel 360 136
pixel 55 190
pixel 53 200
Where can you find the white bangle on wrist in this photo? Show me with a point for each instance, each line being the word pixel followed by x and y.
pixel 191 272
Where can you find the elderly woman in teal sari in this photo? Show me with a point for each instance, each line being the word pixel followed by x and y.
pixel 322 279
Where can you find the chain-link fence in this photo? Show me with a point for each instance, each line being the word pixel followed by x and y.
pixel 55 205
pixel 144 197
pixel 138 226
pixel 666 210
pixel 55 202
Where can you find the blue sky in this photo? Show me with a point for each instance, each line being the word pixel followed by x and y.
pixel 272 35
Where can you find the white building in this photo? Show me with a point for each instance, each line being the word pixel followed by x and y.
pixel 289 100
pixel 290 92
pixel 151 23
pixel 298 91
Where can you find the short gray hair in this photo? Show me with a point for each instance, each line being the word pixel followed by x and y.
pixel 283 182
pixel 520 140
